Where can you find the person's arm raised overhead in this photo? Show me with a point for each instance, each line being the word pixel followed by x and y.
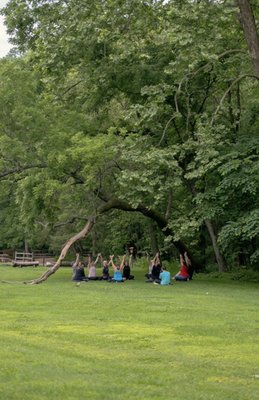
pixel 187 260
pixel 77 259
pixel 122 262
pixel 97 258
pixel 112 262
pixel 131 260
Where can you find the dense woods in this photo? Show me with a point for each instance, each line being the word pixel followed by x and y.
pixel 132 122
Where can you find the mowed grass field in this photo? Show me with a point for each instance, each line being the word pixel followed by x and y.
pixel 188 341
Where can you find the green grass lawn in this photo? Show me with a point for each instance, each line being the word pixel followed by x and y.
pixel 191 340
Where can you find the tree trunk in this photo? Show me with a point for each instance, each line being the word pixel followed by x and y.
pixel 153 238
pixel 249 26
pixel 209 226
pixel 218 255
pixel 94 242
pixel 87 228
pixel 26 246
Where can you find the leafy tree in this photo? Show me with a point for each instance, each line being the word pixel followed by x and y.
pixel 154 116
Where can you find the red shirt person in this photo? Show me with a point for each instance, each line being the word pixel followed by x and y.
pixel 183 274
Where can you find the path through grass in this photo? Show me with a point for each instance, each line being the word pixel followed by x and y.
pixel 101 341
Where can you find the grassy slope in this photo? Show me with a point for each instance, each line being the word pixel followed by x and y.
pixel 193 340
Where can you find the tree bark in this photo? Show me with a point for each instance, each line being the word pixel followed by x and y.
pixel 219 258
pixel 84 232
pixel 249 26
pixel 153 238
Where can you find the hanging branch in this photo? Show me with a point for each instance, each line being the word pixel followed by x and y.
pixel 228 90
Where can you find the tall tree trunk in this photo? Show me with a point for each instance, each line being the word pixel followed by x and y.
pixel 26 246
pixel 153 238
pixel 94 242
pixel 209 226
pixel 249 26
pixel 219 258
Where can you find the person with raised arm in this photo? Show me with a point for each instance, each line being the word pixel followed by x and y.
pixel 188 264
pixel 117 268
pixel 105 271
pixel 126 273
pixel 183 274
pixel 92 268
pixel 156 268
pixel 150 267
pixel 78 273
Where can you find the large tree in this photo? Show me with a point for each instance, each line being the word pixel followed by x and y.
pixel 159 92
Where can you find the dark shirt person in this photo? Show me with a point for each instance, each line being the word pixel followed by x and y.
pixel 78 274
pixel 126 272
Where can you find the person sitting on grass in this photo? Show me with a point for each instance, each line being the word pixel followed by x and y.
pixel 92 268
pixel 188 265
pixel 78 274
pixel 154 269
pixel 106 273
pixel 126 273
pixel 117 276
pixel 150 267
pixel 183 274
pixel 164 277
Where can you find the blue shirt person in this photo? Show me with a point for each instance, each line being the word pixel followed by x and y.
pixel 165 277
pixel 117 276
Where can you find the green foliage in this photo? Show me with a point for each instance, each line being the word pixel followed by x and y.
pixel 134 100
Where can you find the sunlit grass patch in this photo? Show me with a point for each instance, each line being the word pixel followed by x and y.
pixel 193 340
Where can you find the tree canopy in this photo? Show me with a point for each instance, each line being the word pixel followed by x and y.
pixel 125 107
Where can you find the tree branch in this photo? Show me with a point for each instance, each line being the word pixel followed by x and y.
pixel 21 169
pixel 228 90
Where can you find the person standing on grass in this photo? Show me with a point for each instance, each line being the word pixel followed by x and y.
pixel 117 268
pixel 78 273
pixel 183 274
pixel 92 268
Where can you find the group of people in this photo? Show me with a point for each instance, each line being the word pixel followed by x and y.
pixel 159 275
pixel 156 273
pixel 122 270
